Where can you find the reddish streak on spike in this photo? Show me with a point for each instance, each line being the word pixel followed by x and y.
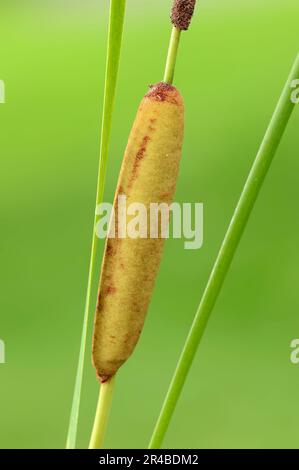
pixel 139 156
pixel 110 290
pixel 165 195
pixel 109 250
pixel 120 190
pixel 141 151
pixel 100 302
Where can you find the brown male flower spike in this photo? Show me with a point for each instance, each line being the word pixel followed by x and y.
pixel 182 12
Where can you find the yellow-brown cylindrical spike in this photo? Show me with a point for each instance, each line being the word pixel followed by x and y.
pixel 148 175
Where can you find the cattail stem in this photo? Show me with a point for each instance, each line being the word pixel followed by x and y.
pixel 172 55
pixel 181 15
pixel 102 414
pixel 229 246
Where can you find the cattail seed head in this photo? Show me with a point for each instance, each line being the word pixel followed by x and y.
pixel 130 265
pixel 182 12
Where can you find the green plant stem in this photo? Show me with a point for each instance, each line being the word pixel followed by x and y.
pixel 244 207
pixel 172 55
pixel 102 414
pixel 116 22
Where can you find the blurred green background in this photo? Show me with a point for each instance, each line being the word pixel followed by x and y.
pixel 242 390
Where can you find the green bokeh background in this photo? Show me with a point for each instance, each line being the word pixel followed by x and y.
pixel 242 390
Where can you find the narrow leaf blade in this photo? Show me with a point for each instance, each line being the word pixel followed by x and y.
pixel 116 23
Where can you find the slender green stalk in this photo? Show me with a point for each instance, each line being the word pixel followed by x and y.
pixel 243 210
pixel 116 22
pixel 172 55
pixel 102 414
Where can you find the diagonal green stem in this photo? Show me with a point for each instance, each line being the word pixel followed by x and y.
pixel 172 55
pixel 229 246
pixel 102 414
pixel 116 22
